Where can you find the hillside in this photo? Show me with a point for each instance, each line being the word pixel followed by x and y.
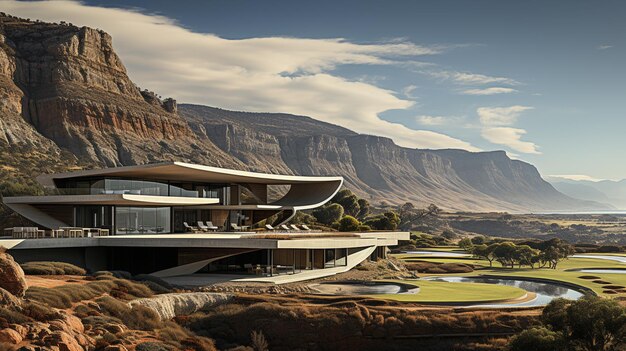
pixel 68 102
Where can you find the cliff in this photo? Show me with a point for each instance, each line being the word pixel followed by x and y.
pixel 67 102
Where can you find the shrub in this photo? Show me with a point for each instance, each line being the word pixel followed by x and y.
pixel 51 268
pixel 137 317
pixel 349 224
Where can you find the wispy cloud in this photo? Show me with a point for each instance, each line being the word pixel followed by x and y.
pixel 489 91
pixel 437 120
pixel 294 75
pixel 408 91
pixel 496 123
pixel 510 137
pixel 500 116
pixel 604 47
pixel 466 78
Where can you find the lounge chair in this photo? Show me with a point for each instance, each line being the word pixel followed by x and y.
pixel 236 227
pixel 190 228
pixel 295 227
pixel 284 227
pixel 211 226
pixel 269 227
pixel 305 227
pixel 203 227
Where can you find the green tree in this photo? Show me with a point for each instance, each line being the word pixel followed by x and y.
pixel 348 201
pixel 505 254
pixel 594 323
pixel 328 214
pixel 537 339
pixel 349 224
pixel 524 255
pixel 364 209
pixel 465 244
pixel 387 221
pixel 485 252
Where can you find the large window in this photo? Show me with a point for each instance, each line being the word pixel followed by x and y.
pixel 142 220
pixel 93 216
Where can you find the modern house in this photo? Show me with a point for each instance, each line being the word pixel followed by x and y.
pixel 147 212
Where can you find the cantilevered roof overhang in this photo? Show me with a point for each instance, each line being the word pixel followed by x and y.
pixel 180 171
pixel 305 192
pixel 117 199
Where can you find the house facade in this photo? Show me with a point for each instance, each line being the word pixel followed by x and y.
pixel 147 211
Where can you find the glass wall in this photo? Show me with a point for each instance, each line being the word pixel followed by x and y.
pixel 142 220
pixel 112 186
pixel 93 216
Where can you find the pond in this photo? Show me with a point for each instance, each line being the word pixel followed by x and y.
pixel 545 291
pixel 362 288
pixel 438 253
pixel 621 259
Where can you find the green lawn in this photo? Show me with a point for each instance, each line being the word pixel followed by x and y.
pixel 559 274
pixel 437 292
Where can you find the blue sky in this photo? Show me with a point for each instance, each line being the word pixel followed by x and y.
pixel 543 80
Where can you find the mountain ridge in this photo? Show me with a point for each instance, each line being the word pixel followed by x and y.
pixel 69 103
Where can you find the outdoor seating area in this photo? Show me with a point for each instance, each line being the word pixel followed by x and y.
pixel 62 232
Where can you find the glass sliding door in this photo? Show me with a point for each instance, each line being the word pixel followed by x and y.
pixel 142 220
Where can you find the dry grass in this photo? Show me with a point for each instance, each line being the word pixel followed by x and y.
pixel 51 268
pixel 65 296
pixel 348 324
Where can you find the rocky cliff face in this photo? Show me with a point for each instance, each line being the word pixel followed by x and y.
pixel 375 167
pixel 66 101
pixel 68 83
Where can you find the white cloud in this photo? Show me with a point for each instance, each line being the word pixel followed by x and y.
pixel 500 116
pixel 277 74
pixel 466 78
pixel 437 120
pixel 489 91
pixel 510 137
pixel 604 47
pixel 496 122
pixel 408 91
pixel 576 177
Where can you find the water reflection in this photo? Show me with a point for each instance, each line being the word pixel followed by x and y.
pixel 358 288
pixel 546 292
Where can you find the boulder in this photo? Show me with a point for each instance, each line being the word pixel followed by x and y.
pixel 64 341
pixel 12 277
pixel 169 306
pixel 115 348
pixel 10 336
pixel 8 299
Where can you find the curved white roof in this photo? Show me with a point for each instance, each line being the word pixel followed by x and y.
pixel 181 171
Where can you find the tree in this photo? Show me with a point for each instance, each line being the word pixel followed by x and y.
pixel 387 221
pixel 591 323
pixel 349 224
pixel 485 252
pixel 524 255
pixel 348 201
pixel 504 253
pixel 594 323
pixel 364 209
pixel 465 244
pixel 328 214
pixel 478 240
pixel 537 339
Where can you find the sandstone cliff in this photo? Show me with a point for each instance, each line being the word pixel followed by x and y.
pixel 67 102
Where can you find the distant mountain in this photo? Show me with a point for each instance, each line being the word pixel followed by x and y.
pixel 605 191
pixel 67 103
